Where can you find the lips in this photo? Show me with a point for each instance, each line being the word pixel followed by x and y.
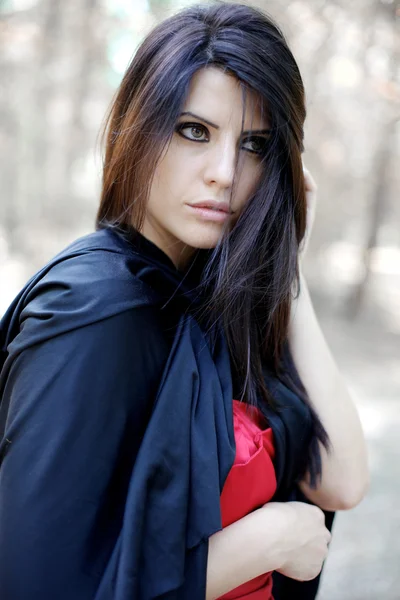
pixel 213 205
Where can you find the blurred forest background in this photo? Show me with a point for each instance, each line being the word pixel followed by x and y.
pixel 60 63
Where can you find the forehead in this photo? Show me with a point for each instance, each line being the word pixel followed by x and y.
pixel 221 98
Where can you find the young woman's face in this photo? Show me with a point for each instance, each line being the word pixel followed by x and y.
pixel 199 163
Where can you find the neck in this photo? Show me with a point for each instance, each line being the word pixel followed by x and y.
pixel 179 252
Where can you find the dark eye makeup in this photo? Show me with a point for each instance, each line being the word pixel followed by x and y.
pixel 196 132
pixel 255 144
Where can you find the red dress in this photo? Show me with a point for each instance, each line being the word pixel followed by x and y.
pixel 250 483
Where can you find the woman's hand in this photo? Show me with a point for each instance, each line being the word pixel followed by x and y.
pixel 305 538
pixel 311 199
pixel 289 537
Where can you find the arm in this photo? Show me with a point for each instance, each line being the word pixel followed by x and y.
pixel 286 536
pixel 344 469
pixel 239 553
pixel 78 410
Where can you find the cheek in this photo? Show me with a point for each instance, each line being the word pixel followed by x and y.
pixel 172 174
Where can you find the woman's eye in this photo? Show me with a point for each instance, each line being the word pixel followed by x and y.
pixel 193 131
pixel 256 145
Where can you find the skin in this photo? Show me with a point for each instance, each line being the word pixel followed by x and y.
pixel 199 164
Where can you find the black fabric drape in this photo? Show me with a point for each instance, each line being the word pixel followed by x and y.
pixel 118 428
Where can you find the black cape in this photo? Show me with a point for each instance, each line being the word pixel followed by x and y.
pixel 116 430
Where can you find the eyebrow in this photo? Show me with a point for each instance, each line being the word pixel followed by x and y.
pixel 252 131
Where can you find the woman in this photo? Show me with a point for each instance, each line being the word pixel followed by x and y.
pixel 157 427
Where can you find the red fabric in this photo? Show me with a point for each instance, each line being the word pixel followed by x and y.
pixel 250 483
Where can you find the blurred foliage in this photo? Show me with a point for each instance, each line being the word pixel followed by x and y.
pixel 60 64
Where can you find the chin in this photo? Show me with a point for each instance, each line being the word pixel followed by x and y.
pixel 202 242
pixel 203 238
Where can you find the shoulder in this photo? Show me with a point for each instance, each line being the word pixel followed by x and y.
pixel 99 266
pixel 91 280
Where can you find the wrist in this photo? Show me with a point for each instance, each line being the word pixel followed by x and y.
pixel 277 523
pixel 243 551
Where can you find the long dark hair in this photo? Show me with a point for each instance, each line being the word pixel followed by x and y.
pixel 251 274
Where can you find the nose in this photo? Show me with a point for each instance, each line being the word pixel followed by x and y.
pixel 220 164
